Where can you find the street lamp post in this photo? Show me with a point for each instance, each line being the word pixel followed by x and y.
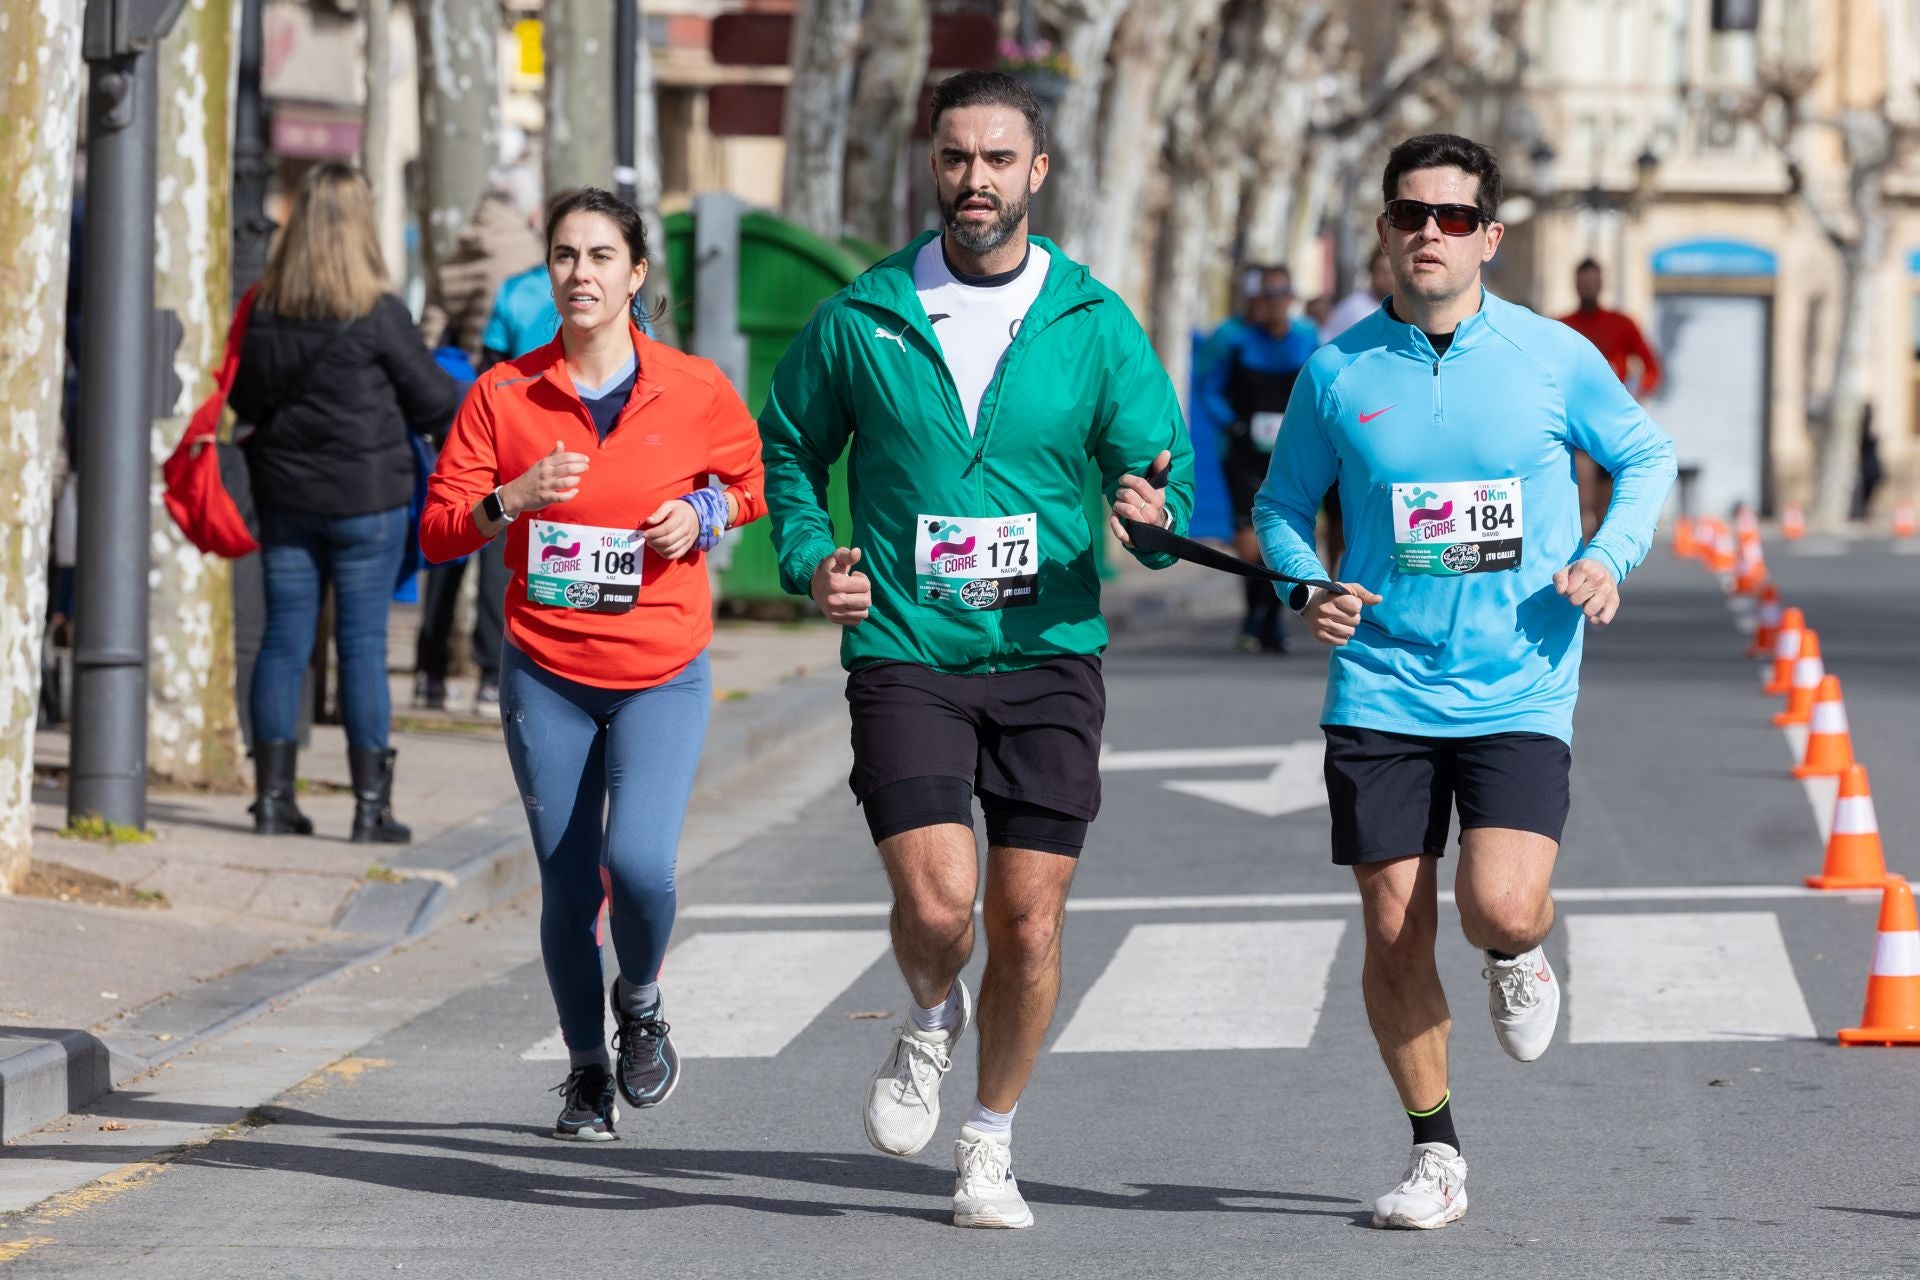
pixel 626 31
pixel 252 228
pixel 117 406
pixel 1598 200
pixel 1646 167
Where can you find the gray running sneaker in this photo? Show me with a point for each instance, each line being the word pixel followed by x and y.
pixel 589 1113
pixel 644 1060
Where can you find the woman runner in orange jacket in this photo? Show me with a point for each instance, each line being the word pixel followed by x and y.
pixel 594 452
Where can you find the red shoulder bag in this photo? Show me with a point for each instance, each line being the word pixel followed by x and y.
pixel 197 496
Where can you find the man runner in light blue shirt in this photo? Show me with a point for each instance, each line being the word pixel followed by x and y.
pixel 1448 419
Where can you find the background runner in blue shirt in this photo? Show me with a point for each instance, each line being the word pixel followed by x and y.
pixel 1245 391
pixel 1448 419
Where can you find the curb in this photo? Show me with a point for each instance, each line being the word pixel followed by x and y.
pixel 481 864
pixel 45 1073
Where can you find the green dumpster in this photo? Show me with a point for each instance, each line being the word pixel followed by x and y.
pixel 785 271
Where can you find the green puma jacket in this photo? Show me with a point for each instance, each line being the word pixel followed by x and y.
pixel 977 544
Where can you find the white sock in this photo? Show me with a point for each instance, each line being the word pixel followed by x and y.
pixel 996 1124
pixel 940 1016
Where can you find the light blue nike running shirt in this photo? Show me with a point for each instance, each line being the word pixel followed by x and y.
pixel 1459 502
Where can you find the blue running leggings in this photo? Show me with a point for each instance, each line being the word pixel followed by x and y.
pixel 605 775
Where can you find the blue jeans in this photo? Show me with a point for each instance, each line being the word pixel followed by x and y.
pixel 605 775
pixel 301 552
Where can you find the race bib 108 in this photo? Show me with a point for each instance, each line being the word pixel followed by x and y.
pixel 963 564
pixel 584 566
pixel 1468 526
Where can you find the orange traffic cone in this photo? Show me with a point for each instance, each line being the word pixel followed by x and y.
pixel 1744 520
pixel 1903 521
pixel 1793 524
pixel 1854 857
pixel 1829 745
pixel 1752 566
pixel 1724 559
pixel 1892 1015
pixel 1786 651
pixel 1769 629
pixel 1808 671
pixel 1684 547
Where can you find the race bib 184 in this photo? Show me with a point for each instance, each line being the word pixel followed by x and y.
pixel 583 566
pixel 963 564
pixel 1468 526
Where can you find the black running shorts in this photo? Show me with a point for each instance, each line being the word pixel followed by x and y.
pixel 1245 469
pixel 1027 742
pixel 1392 794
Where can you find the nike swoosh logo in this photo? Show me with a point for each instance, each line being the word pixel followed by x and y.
pixel 1365 418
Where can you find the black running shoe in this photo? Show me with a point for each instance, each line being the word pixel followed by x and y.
pixel 644 1060
pixel 590 1111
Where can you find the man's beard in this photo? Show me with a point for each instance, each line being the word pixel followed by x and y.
pixel 980 239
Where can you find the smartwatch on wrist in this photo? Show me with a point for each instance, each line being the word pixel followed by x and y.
pixel 494 509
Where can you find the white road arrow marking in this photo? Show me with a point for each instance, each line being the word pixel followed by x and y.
pixel 1295 785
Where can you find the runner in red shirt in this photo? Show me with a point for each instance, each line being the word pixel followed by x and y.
pixel 593 453
pixel 1619 340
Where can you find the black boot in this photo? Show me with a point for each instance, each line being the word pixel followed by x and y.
pixel 274 812
pixel 373 798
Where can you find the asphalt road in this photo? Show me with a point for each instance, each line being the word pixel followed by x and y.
pixel 1211 1102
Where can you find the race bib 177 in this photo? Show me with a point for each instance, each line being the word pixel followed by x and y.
pixel 1468 526
pixel 583 566
pixel 963 564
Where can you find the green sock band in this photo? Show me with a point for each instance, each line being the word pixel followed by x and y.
pixel 1422 1115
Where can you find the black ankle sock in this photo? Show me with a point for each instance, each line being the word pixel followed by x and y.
pixel 1501 955
pixel 1435 1125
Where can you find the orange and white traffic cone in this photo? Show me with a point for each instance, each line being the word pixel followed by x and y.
pixel 1808 671
pixel 1769 629
pixel 1793 524
pixel 1684 547
pixel 1786 651
pixel 1903 521
pixel 1892 1015
pixel 1751 566
pixel 1829 745
pixel 1854 857
pixel 1744 520
pixel 1726 548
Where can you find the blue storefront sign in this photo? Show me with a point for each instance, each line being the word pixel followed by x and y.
pixel 1714 258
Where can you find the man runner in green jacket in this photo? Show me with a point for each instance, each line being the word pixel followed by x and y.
pixel 976 373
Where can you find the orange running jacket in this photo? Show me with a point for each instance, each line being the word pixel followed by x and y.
pixel 683 421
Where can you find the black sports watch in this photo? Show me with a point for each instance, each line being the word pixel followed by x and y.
pixel 494 509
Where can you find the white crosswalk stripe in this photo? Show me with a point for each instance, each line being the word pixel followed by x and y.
pixel 1638 979
pixel 1666 977
pixel 748 994
pixel 1210 986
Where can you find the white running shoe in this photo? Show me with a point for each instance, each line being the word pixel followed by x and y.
pixel 903 1101
pixel 1525 1001
pixel 984 1191
pixel 1433 1193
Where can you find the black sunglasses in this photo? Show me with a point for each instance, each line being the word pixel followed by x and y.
pixel 1454 219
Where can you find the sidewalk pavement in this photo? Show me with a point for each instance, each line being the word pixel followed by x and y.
pixel 161 945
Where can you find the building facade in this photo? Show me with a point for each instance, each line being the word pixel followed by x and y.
pixel 1639 134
